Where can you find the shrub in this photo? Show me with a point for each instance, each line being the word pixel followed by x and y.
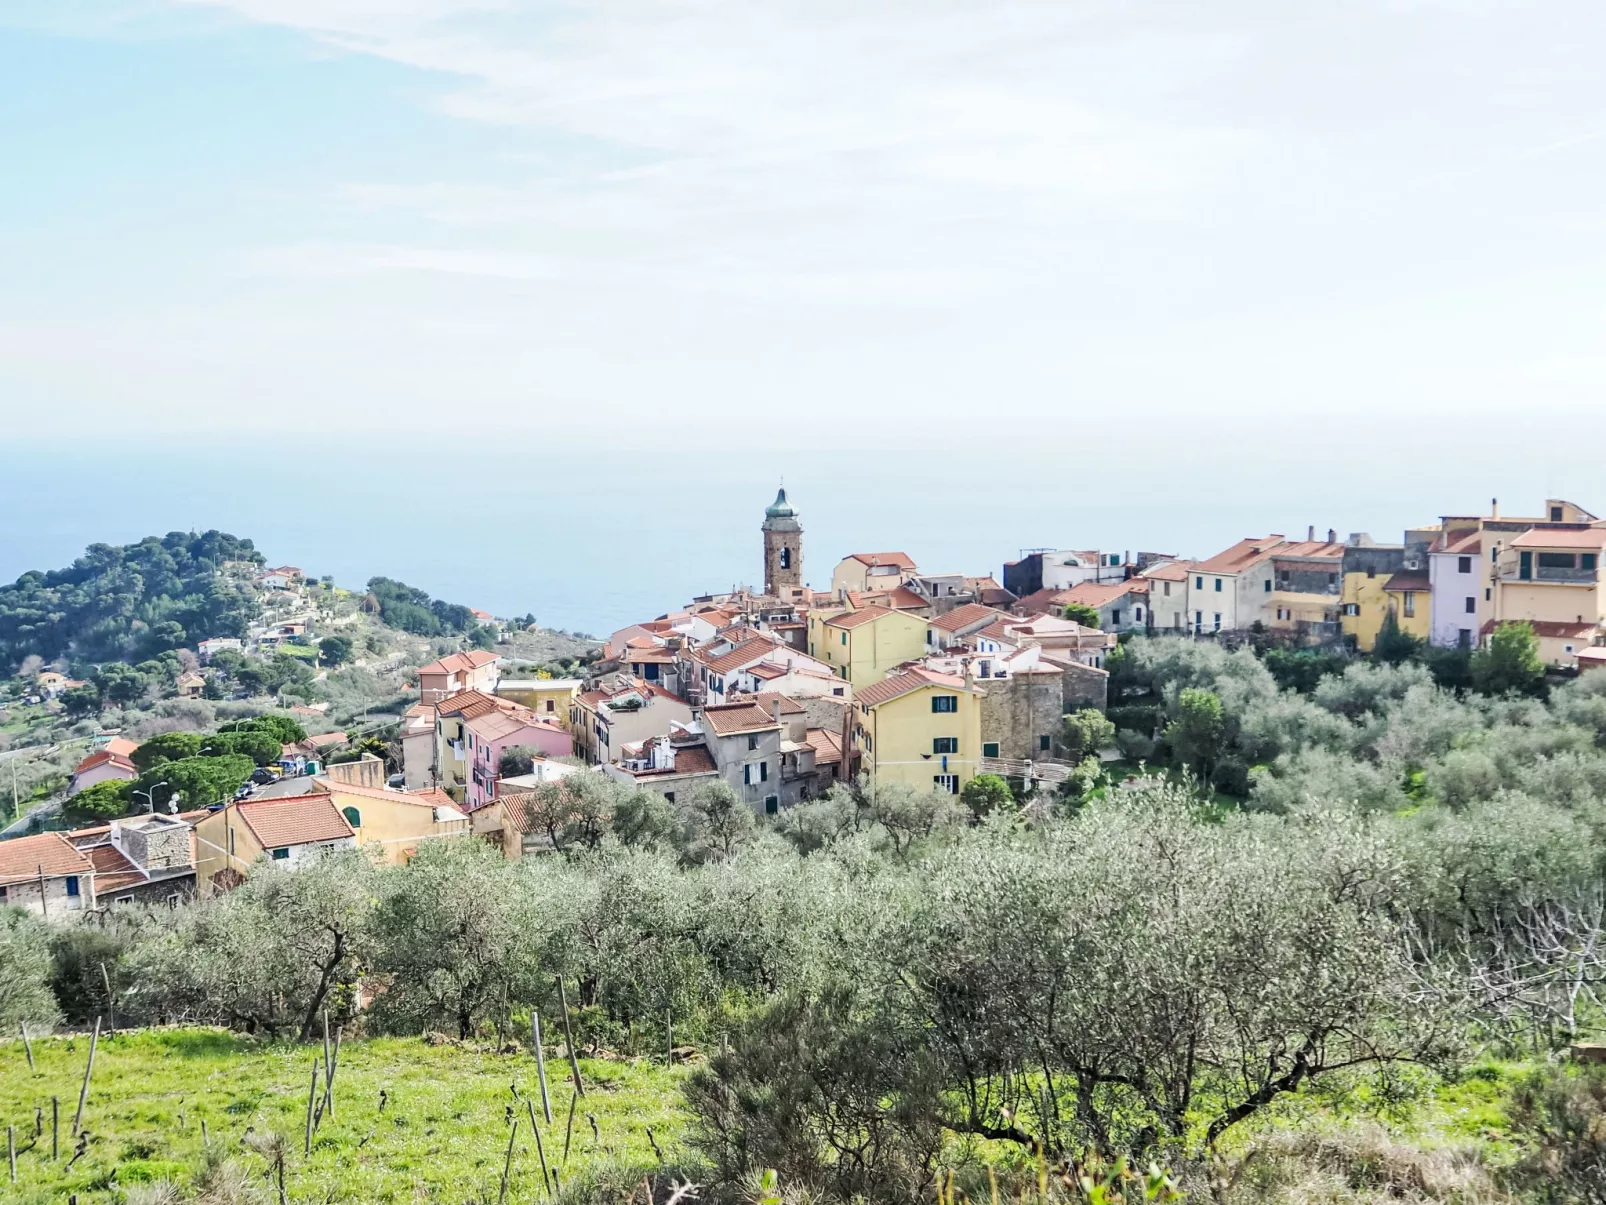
pixel 25 995
pixel 985 794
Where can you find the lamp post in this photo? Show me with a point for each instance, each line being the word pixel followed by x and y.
pixel 150 804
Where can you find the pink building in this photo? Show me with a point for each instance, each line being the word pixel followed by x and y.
pixel 110 761
pixel 489 735
pixel 457 672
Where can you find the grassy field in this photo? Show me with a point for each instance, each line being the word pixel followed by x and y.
pixel 441 1135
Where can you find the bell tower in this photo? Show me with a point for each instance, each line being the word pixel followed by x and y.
pixel 783 546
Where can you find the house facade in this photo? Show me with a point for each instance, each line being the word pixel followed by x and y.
pixel 457 672
pixel 46 875
pixel 863 646
pixel 1551 577
pixel 1232 590
pixel 919 727
pixel 872 571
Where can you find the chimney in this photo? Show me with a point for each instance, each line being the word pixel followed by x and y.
pixel 1494 508
pixel 775 708
pixel 1332 536
pixel 1310 534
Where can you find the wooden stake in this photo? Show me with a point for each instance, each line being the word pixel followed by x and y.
pixel 328 1070
pixel 507 1166
pixel 312 1095
pixel 540 1147
pixel 111 1003
pixel 55 1125
pixel 28 1047
pixel 11 1150
pixel 89 1068
pixel 568 1040
pixel 44 904
pixel 540 1063
pixel 205 1141
pixel 568 1134
pixel 669 1030
pixel 334 1067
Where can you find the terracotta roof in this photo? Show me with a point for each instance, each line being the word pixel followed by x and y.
pixel 1241 555
pixel 1549 628
pixel 1319 550
pixel 965 616
pixel 827 745
pixel 298 820
pixel 121 746
pixel 1099 594
pixel 112 870
pixel 428 798
pixel 458 663
pixel 737 717
pixel 1590 538
pixel 901 559
pixel 765 670
pixel 1041 602
pixel 1002 629
pixel 105 757
pixel 1171 571
pixel 656 655
pixel 689 759
pixel 901 684
pixel 767 699
pixel 743 654
pixel 471 703
pixel 21 858
pixel 1458 544
pixel 1415 581
pixel 496 725
pixel 325 740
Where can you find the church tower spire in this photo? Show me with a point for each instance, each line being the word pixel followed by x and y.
pixel 783 546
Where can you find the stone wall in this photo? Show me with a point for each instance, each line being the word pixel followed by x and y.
pixel 1086 686
pixel 1016 712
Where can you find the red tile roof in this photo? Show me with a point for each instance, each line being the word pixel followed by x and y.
pixel 112 870
pixel 1241 555
pixel 898 685
pixel 21 858
pixel 1592 539
pixel 105 757
pixel 901 559
pixel 732 718
pixel 1414 581
pixel 1318 550
pixel 742 655
pixel 864 615
pixel 297 820
pixel 1171 571
pixel 827 745
pixel 767 700
pixel 1459 543
pixel 458 663
pixel 965 616
pixel 1100 594
pixel 1548 628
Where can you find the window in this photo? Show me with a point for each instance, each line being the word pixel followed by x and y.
pixel 990 749
pixel 945 703
pixel 752 742
pixel 1371 571
pixel 844 639
pixel 1218 585
pixel 946 782
pixel 72 887
pixel 1167 590
pixel 353 816
pixel 786 558
pixel 1115 618
pixel 1589 561
pixel 1198 583
pixel 1557 560
pixel 1410 604
pixel 1198 621
pixel 1218 621
pixel 836 691
pixel 651 674
pixel 1488 594
pixel 1137 614
pixel 1352 608
pixel 1463 564
pixel 1464 638
pixel 945 744
pixel 1555 514
pixel 772 805
pixel 984 669
pixel 763 771
pixel 1266 584
pixel 1043 742
pixel 550 706
pixel 1472 605
pixel 279 855
pixel 747 776
pixel 1332 579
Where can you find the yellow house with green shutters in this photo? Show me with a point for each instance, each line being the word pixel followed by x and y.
pixel 866 645
pixel 919 727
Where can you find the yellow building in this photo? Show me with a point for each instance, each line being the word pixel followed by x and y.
pixel 864 646
pixel 549 698
pixel 862 572
pixel 1551 578
pixel 919 727
pixel 291 829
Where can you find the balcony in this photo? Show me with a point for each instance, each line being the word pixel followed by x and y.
pixel 1544 573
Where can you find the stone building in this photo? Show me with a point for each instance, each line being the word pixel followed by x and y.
pixel 783 547
pixel 1021 714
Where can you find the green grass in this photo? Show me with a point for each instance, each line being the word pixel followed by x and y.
pixel 442 1134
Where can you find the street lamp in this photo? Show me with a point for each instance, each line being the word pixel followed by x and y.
pixel 150 804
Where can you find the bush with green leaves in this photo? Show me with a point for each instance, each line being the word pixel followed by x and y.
pixel 25 966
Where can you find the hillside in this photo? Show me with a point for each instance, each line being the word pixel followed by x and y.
pixel 118 640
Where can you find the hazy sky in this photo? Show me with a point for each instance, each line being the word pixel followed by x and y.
pixel 713 227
